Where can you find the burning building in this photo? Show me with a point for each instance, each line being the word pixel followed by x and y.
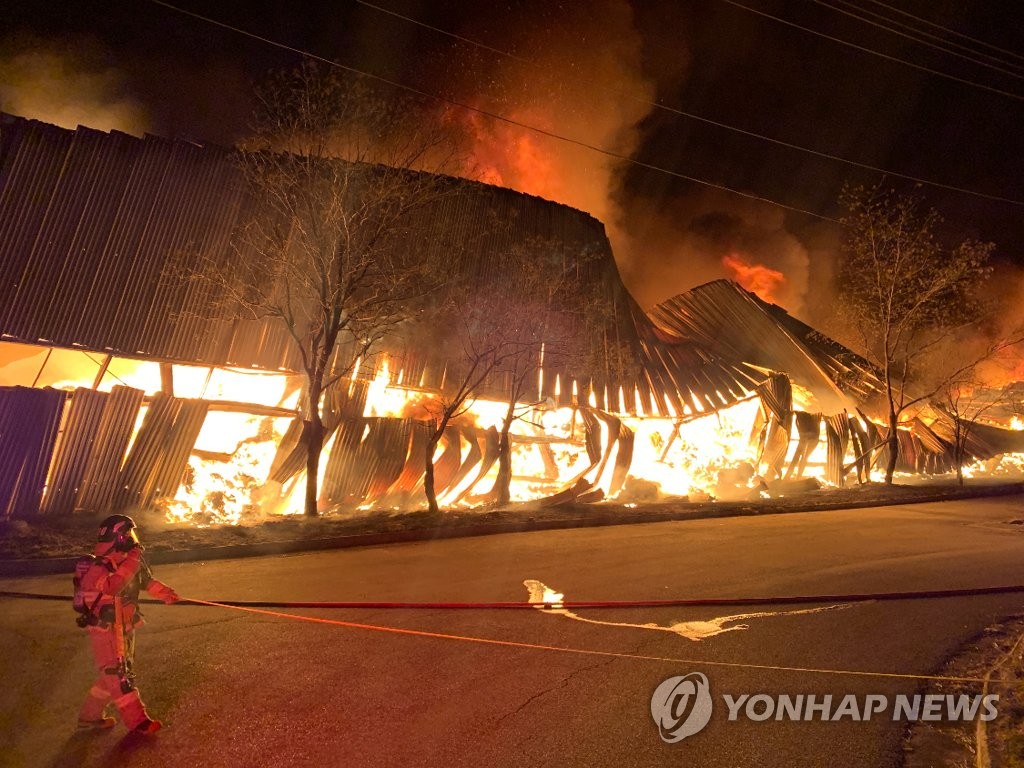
pixel 120 392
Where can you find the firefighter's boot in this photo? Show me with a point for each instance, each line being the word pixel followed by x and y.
pixel 93 712
pixel 132 711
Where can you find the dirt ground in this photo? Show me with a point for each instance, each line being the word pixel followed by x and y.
pixel 72 535
pixel 998 656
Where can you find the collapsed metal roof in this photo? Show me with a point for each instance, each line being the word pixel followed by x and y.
pixel 91 221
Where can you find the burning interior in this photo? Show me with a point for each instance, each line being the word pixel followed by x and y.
pixel 115 394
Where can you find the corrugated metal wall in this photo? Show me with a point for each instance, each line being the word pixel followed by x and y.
pixel 92 224
pixel 88 224
pixel 29 421
pixel 86 468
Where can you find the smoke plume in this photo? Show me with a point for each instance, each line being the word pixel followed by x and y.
pixel 672 246
pixel 67 86
pixel 577 74
pixel 591 86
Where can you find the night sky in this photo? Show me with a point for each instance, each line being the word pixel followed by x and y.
pixel 594 72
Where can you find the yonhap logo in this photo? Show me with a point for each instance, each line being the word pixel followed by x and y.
pixel 681 706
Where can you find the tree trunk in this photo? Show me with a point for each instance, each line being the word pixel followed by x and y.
pixel 960 449
pixel 503 483
pixel 428 475
pixel 314 439
pixel 893 442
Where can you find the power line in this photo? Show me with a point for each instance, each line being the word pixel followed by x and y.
pixel 873 52
pixel 492 115
pixel 708 121
pixel 932 24
pixel 942 39
pixel 916 36
pixel 447 33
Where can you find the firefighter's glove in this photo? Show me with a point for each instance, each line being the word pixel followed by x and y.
pixel 163 592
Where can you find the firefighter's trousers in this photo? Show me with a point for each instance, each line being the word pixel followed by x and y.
pixel 107 688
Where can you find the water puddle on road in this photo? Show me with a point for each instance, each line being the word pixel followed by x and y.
pixel 550 601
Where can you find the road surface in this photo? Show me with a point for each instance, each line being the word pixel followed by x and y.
pixel 238 689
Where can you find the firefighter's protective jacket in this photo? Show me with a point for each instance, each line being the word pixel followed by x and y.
pixel 124 574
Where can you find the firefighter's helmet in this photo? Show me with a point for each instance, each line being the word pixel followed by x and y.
pixel 119 531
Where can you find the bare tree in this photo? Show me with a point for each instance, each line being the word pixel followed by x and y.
pixel 963 409
pixel 562 324
pixel 963 396
pixel 478 323
pixel 335 173
pixel 543 312
pixel 903 292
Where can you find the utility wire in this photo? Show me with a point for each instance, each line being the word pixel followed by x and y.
pixel 873 52
pixel 495 115
pixel 708 121
pixel 916 36
pixel 944 40
pixel 961 35
pixel 447 33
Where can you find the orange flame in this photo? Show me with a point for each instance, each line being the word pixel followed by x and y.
pixel 1006 367
pixel 756 278
pixel 505 155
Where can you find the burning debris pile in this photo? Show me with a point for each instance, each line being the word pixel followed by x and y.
pixel 115 394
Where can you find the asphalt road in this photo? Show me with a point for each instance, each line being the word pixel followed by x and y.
pixel 237 689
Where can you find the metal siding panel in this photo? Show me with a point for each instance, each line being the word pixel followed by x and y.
pixel 50 406
pixel 343 464
pixel 27 193
pixel 101 480
pixel 29 421
pixel 107 180
pixel 181 438
pixel 164 234
pixel 147 452
pixel 389 443
pixel 73 450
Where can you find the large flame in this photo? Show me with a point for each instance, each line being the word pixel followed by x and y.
pixel 227 473
pixel 756 278
pixel 507 156
pixel 703 454
pixel 687 456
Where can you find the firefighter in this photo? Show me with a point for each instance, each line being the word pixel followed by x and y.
pixel 107 588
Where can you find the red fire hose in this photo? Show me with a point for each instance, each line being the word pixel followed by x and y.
pixel 578 604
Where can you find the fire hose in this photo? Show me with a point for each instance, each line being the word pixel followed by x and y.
pixel 862 597
pixel 260 607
